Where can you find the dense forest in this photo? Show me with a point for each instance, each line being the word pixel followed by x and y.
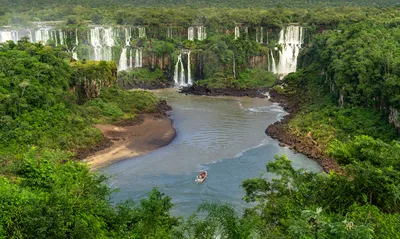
pixel 21 4
pixel 346 87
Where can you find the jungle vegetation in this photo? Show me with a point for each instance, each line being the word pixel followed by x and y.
pixel 347 82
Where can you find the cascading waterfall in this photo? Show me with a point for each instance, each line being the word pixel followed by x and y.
pixel 189 81
pixel 123 66
pixel 190 34
pixel 102 41
pixel 5 36
pixel 182 78
pixel 259 35
pixel 291 40
pixel 237 32
pixel 142 32
pixel 42 35
pixel 125 62
pixel 109 43
pixel 273 64
pixel 54 36
pixel 96 42
pixel 131 58
pixel 201 33
pixel 179 77
pixel 137 61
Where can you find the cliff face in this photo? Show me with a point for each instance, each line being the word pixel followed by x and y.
pixel 90 76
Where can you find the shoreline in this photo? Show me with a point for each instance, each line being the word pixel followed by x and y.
pixel 132 138
pixel 204 90
pixel 300 144
pixel 129 141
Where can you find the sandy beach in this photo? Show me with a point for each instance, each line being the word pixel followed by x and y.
pixel 130 141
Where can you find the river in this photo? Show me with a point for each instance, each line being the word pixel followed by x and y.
pixel 223 135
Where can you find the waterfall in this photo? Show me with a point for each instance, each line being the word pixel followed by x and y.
pixel 131 58
pixel 142 32
pixel 182 80
pixel 291 39
pixel 179 78
pixel 190 34
pixel 273 64
pixel 42 35
pixel 102 40
pixel 108 40
pixel 140 58
pixel 5 36
pixel 201 33
pixel 124 62
pixel 176 73
pixel 237 33
pixel 260 35
pixel 123 66
pixel 189 81
pixel 54 36
pixel 75 55
pixel 96 43
pixel 137 63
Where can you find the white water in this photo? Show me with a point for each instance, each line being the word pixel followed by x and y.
pixel 201 33
pixel 137 58
pixel 291 39
pixel 123 66
pixel 179 77
pixel 142 32
pixel 237 32
pixel 273 64
pixel 131 59
pixel 260 35
pixel 5 36
pixel 42 35
pixel 189 82
pixel 190 34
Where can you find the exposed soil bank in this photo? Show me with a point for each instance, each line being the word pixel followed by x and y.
pixel 127 139
pixel 305 145
pixel 204 90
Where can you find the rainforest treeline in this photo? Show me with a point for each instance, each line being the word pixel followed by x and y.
pixel 346 86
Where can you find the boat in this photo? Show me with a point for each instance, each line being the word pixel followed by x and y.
pixel 201 177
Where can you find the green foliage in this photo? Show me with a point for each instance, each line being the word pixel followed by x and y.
pixel 326 122
pixel 57 198
pixel 302 204
pixel 39 92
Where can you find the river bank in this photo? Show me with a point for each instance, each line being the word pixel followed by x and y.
pixel 127 139
pixel 305 145
pixel 209 91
